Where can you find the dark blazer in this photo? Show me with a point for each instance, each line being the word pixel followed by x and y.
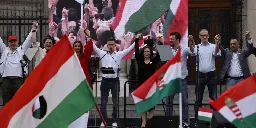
pixel 242 55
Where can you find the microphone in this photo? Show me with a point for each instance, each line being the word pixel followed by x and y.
pixel 116 63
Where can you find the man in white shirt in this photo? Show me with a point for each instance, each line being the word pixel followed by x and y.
pixel 207 76
pixel 110 59
pixel 175 38
pixel 10 65
pixel 235 66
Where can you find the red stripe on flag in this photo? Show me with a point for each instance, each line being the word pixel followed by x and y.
pixel 119 14
pixel 236 110
pixel 237 92
pixel 180 21
pixel 129 55
pixel 142 91
pixel 37 80
pixel 205 110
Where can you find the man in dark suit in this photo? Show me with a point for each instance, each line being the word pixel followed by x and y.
pixel 235 66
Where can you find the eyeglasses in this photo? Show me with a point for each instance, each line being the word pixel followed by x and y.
pixel 203 35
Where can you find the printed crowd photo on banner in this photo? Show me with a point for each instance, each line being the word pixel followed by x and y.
pixel 99 20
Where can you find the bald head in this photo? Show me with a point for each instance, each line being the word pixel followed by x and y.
pixel 234 45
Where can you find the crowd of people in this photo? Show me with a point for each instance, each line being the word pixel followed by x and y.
pixel 93 36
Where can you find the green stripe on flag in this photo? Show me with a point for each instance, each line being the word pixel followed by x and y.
pixel 150 11
pixel 79 101
pixel 168 90
pixel 204 118
pixel 247 122
pixel 168 22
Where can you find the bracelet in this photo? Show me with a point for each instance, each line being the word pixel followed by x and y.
pixel 33 31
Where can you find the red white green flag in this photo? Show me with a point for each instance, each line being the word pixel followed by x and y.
pixel 205 114
pixel 61 86
pixel 164 82
pixel 237 104
pixel 134 15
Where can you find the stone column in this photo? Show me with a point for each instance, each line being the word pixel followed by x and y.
pixel 251 26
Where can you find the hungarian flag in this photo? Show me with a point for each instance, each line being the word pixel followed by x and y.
pixel 59 84
pixel 237 104
pixel 177 20
pixel 134 15
pixel 164 82
pixel 205 114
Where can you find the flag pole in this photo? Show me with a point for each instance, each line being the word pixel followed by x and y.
pixel 82 13
pixel 101 117
pixel 180 100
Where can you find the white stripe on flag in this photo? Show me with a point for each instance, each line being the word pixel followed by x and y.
pixel 174 6
pixel 81 122
pixel 59 80
pixel 80 1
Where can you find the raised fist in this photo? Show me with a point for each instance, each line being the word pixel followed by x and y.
pixel 217 39
pixel 34 25
pixel 247 35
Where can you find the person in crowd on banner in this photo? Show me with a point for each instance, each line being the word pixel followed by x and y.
pixel 207 76
pixel 235 66
pixel 10 63
pixel 110 59
pixel 175 38
pixel 146 67
pixel 107 11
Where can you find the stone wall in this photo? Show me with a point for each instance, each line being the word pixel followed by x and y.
pixel 251 26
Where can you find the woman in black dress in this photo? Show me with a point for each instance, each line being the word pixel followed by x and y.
pixel 146 67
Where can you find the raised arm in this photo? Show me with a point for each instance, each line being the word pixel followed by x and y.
pixel 137 50
pixel 126 51
pixel 217 44
pixel 88 49
pixel 99 52
pixel 2 45
pixel 223 51
pixel 28 42
pixel 250 49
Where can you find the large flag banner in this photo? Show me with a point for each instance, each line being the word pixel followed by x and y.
pixel 177 21
pixel 237 104
pixel 134 15
pixel 164 82
pixel 54 95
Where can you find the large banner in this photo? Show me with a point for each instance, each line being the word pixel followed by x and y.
pixel 103 20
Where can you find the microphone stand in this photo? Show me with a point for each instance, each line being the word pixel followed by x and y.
pixel 197 84
pixel 118 86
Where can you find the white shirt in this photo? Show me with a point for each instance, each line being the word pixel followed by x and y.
pixel 206 57
pixel 112 60
pixel 11 65
pixel 235 68
pixel 184 56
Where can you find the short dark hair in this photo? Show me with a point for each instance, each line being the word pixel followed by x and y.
pixel 51 38
pixel 111 39
pixel 177 35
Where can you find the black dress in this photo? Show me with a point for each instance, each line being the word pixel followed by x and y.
pixel 145 70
